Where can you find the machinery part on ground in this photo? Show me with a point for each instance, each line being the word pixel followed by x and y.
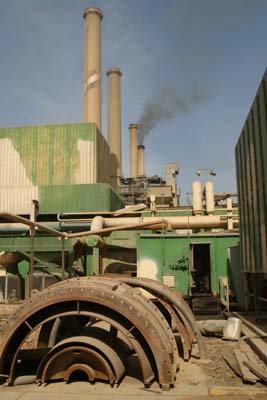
pixel 174 300
pixel 92 326
pixel 96 358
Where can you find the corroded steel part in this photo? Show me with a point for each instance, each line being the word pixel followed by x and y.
pixel 81 353
pixel 163 331
pixel 177 325
pixel 161 291
pixel 111 301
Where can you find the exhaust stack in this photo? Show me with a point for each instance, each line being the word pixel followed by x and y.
pixel 114 124
pixel 92 67
pixel 133 130
pixel 141 160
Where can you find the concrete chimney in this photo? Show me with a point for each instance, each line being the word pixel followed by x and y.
pixel 92 67
pixel 141 160
pixel 133 129
pixel 114 124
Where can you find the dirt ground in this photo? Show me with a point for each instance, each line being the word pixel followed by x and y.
pixel 217 371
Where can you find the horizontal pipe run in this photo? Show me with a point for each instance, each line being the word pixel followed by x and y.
pixel 107 225
pixel 151 226
pixel 32 224
pixel 181 222
pixel 154 223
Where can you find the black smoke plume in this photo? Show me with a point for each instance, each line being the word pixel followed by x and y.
pixel 165 106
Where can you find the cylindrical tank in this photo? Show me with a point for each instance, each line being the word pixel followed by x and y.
pixel 114 123
pixel 141 160
pixel 133 130
pixel 92 66
pixel 197 197
pixel 209 196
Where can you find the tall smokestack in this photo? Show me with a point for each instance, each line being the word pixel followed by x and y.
pixel 92 66
pixel 141 160
pixel 114 123
pixel 133 129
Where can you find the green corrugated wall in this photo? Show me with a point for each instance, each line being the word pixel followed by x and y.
pixel 78 198
pixel 251 166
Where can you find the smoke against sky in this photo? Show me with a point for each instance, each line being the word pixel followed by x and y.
pixel 165 106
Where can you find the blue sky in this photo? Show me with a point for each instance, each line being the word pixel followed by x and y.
pixel 217 47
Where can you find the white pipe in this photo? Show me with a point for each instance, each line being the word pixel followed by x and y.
pixel 97 223
pixel 197 197
pixel 209 196
pixel 229 206
pixel 229 203
pixel 154 223
pixel 182 222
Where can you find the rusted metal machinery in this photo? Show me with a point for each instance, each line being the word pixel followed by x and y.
pixel 93 326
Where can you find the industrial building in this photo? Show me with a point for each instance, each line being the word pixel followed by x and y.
pixel 67 211
pixel 68 178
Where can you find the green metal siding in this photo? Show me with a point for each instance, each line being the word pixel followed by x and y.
pixel 171 256
pixel 78 198
pixel 251 166
pixel 52 155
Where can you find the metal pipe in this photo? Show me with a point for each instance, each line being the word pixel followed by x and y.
pixel 63 259
pixel 197 197
pixel 229 206
pixel 92 67
pixel 179 222
pixel 151 226
pixel 96 241
pixel 97 223
pixel 31 276
pixel 225 194
pixel 154 223
pixel 209 197
pixel 31 224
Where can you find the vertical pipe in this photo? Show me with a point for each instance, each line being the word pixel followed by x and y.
pixel 31 273
pixel 197 197
pixel 63 258
pixel 209 197
pixel 229 207
pixel 141 160
pixel 114 124
pixel 133 130
pixel 92 66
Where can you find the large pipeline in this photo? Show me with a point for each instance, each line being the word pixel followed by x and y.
pixel 155 223
pixel 31 224
pixel 102 225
